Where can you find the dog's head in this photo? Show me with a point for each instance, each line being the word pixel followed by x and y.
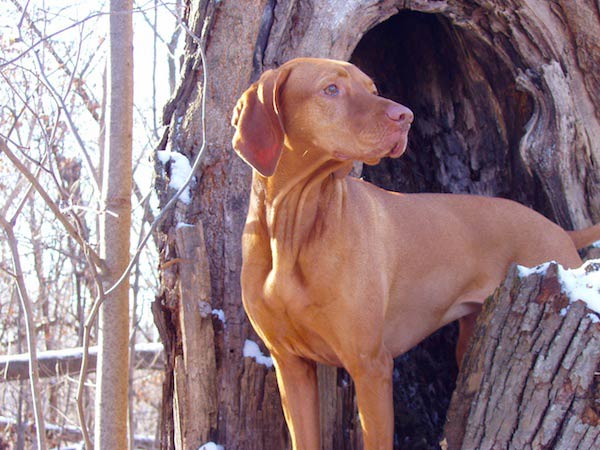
pixel 317 105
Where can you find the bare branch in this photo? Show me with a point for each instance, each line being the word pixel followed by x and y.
pixel 34 379
pixel 27 194
pixel 87 97
pixel 50 36
pixel 195 165
pixel 98 262
pixel 87 331
pixel 62 30
pixel 12 196
pixel 86 156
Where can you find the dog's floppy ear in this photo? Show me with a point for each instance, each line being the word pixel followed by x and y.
pixel 259 133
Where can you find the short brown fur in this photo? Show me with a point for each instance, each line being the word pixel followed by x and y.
pixel 341 272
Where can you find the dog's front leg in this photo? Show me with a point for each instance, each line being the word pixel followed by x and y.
pixel 297 380
pixel 372 377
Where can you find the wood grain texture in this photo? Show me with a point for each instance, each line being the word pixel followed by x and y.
pixel 529 378
pixel 506 100
pixel 197 389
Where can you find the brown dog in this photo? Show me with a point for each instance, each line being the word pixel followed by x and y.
pixel 341 272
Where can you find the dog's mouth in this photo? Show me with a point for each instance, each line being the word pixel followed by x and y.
pixel 394 151
pixel 399 145
pixel 398 149
pixel 394 145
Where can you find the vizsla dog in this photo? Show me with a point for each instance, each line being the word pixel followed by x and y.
pixel 341 272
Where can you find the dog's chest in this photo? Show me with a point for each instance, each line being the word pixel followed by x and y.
pixel 290 319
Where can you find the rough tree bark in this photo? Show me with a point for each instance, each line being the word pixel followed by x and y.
pixel 246 412
pixel 530 376
pixel 507 101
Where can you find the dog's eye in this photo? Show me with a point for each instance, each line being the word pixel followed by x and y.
pixel 331 90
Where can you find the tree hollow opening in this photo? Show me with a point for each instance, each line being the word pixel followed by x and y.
pixel 469 114
pixel 469 120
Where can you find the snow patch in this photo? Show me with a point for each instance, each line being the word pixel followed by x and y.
pixel 183 225
pixel 582 283
pixel 251 350
pixel 526 271
pixel 220 315
pixel 149 347
pixel 180 171
pixel 73 353
pixel 211 446
pixel 163 156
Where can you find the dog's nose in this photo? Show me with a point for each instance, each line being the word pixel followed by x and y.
pixel 399 113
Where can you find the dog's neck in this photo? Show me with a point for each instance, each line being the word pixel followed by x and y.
pixel 299 169
pixel 291 202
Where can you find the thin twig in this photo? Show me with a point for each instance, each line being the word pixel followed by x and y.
pixel 62 30
pixel 28 193
pixel 101 293
pixel 34 375
pixel 87 329
pixel 26 106
pixel 61 103
pixel 14 193
pixel 50 36
pixel 71 230
pixel 195 165
pixel 86 96
pixel 132 340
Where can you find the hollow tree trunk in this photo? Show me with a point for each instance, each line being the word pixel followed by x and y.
pixel 507 101
pixel 244 411
pixel 530 376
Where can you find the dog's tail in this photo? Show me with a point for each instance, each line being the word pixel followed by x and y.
pixel 585 237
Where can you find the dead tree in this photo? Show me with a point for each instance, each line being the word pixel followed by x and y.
pixel 507 102
pixel 530 377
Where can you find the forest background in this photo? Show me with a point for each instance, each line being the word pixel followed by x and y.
pixel 54 58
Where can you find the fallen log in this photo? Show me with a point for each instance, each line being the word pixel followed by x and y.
pixel 55 363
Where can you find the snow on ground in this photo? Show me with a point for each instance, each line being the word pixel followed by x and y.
pixel 582 283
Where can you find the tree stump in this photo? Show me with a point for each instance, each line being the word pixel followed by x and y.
pixel 530 377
